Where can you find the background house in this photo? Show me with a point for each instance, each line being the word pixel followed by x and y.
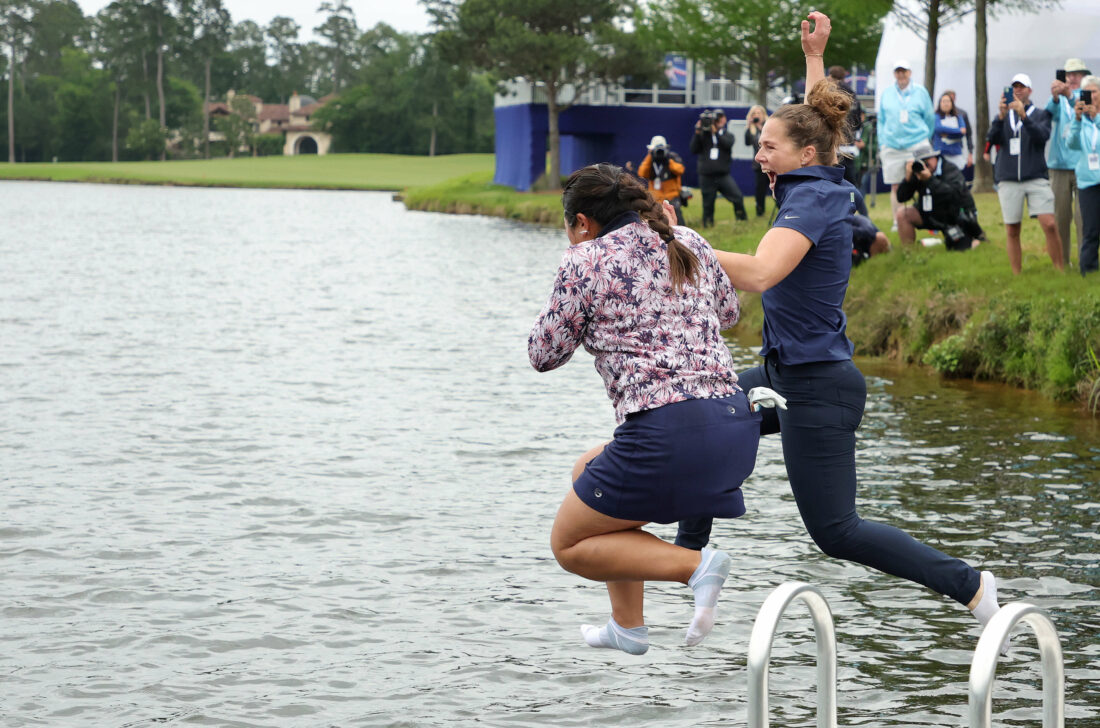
pixel 292 120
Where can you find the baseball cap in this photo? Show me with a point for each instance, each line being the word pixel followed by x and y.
pixel 903 64
pixel 1022 78
pixel 1075 65
pixel 657 141
pixel 924 151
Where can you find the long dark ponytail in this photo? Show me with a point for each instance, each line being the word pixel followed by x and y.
pixel 604 191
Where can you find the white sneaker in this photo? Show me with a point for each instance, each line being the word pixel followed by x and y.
pixel 894 227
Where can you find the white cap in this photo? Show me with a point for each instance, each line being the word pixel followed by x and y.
pixel 924 150
pixel 657 141
pixel 1022 78
pixel 902 63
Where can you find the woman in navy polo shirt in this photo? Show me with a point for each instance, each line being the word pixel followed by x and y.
pixel 802 266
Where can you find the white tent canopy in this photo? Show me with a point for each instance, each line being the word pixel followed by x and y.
pixel 1036 44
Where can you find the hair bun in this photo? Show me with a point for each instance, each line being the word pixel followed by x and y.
pixel 827 99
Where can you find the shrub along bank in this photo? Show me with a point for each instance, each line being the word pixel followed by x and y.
pixel 964 314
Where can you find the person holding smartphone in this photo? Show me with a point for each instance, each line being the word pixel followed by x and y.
pixel 1065 90
pixel 1021 130
pixel 1084 138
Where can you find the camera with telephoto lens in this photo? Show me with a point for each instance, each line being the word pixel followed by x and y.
pixel 706 120
pixel 660 154
pixel 918 166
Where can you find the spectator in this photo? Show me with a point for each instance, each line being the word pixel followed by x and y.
pixel 849 151
pixel 951 132
pixel 754 124
pixel 965 117
pixel 867 239
pixel 1061 160
pixel 663 169
pixel 905 120
pixel 713 143
pixel 1021 130
pixel 1084 138
pixel 941 201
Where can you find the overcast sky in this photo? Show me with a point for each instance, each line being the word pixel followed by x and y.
pixel 405 15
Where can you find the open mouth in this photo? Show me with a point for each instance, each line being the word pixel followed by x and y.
pixel 771 177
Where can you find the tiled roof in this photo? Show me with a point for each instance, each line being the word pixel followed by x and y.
pixel 307 110
pixel 274 112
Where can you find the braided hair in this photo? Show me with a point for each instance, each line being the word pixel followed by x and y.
pixel 604 191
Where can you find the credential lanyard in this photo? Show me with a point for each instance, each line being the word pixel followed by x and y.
pixel 1016 122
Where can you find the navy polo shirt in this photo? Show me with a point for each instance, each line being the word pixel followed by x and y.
pixel 803 316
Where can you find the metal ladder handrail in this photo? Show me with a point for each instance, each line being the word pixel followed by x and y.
pixel 760 648
pixel 983 668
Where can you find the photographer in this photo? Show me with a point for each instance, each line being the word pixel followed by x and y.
pixel 663 168
pixel 713 144
pixel 754 125
pixel 1021 131
pixel 942 201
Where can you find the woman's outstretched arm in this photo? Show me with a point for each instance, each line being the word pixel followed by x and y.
pixel 813 45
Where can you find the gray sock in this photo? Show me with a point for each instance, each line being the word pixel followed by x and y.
pixel 634 641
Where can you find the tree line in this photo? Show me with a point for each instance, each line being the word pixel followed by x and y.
pixel 112 85
pixel 123 82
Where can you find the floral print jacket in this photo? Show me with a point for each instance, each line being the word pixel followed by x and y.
pixel 652 346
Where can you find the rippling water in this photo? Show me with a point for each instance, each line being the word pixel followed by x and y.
pixel 277 458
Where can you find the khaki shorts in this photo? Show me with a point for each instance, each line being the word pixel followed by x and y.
pixel 1037 192
pixel 893 162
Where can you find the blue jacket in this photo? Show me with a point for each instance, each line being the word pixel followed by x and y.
pixel 1033 131
pixel 1060 156
pixel 1084 139
pixel 948 139
pixel 922 120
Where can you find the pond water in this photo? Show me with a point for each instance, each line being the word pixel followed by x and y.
pixel 278 458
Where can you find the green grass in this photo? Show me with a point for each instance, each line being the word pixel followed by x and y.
pixel 333 171
pixel 963 314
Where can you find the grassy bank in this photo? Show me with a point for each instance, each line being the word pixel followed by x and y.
pixel 963 314
pixel 333 171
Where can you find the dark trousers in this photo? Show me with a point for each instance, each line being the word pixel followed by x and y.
pixel 825 404
pixel 1087 253
pixel 851 170
pixel 710 185
pixel 763 189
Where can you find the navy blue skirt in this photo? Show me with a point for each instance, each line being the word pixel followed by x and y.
pixel 683 460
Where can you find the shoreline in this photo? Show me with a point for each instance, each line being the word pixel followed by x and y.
pixel 214 185
pixel 962 315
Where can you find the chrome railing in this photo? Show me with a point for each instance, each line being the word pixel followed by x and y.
pixel 760 649
pixel 983 669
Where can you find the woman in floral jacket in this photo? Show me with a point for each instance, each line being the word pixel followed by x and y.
pixel 649 302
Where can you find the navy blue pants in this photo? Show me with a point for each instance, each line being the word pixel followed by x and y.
pixel 1088 254
pixel 825 404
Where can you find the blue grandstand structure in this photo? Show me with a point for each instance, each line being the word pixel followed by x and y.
pixel 614 123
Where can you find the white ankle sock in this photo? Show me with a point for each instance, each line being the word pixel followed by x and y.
pixel 706 582
pixel 987 605
pixel 634 641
